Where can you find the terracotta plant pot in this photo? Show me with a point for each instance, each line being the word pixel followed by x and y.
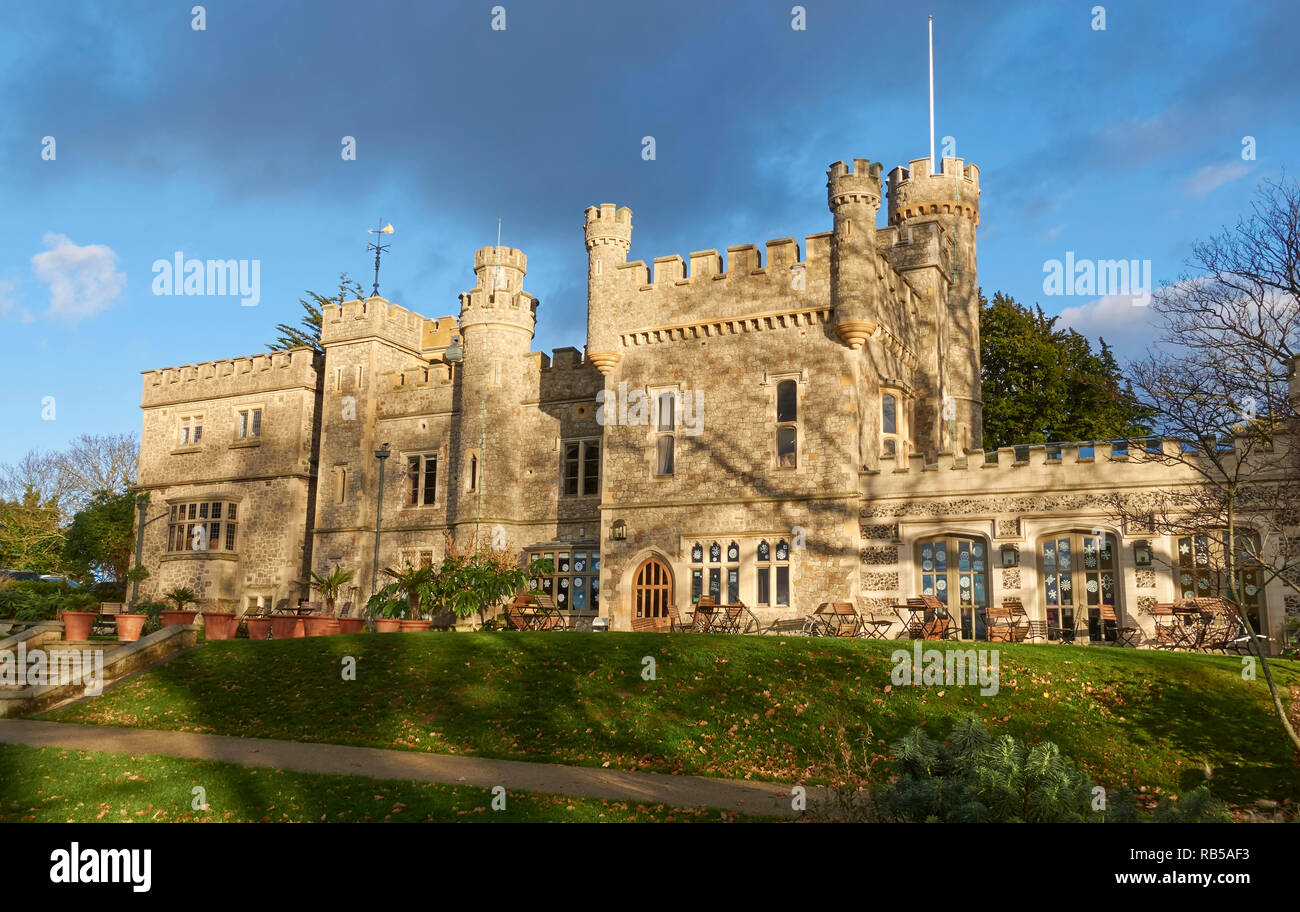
pixel 171 617
pixel 415 626
pixel 286 626
pixel 315 625
pixel 387 625
pixel 259 628
pixel 77 625
pixel 219 625
pixel 333 627
pixel 129 626
pixel 352 625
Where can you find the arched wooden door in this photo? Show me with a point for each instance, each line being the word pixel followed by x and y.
pixel 652 589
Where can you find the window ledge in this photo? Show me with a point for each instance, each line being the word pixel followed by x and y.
pixel 256 441
pixel 200 555
pixel 188 448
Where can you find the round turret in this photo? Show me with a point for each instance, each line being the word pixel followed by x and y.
pixel 915 192
pixel 854 200
pixel 608 231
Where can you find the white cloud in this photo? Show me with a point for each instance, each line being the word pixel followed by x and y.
pixel 7 299
pixel 1128 328
pixel 1211 177
pixel 83 280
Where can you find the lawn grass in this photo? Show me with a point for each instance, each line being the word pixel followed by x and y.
pixel 738 707
pixel 51 785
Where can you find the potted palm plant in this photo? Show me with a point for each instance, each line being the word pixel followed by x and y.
pixel 411 585
pixel 180 597
pixel 329 585
pixel 386 610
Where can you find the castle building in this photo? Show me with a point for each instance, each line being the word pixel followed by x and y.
pixel 782 427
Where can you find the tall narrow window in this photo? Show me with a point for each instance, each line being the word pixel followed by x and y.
pixel 666 425
pixel 422 477
pixel 473 472
pixel 764 573
pixel 697 573
pixel 733 573
pixel 580 474
pixel 895 422
pixel 782 573
pixel 787 416
pixel 341 494
pixel 715 572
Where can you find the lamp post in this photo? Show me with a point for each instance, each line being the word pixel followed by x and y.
pixel 141 505
pixel 382 455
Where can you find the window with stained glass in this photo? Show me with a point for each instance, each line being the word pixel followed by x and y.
pixel 954 570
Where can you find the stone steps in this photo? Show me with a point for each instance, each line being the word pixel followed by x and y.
pixel 120 660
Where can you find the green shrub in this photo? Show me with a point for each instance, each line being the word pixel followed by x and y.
pixel 152 612
pixel 1197 806
pixel 976 778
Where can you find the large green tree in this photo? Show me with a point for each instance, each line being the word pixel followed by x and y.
pixel 307 333
pixel 1043 383
pixel 100 541
pixel 31 535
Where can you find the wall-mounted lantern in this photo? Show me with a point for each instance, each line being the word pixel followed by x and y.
pixel 1142 553
pixel 618 531
pixel 1010 556
pixel 454 353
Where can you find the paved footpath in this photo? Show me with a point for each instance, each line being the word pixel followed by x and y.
pixel 762 798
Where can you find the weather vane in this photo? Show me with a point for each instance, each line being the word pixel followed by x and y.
pixel 378 248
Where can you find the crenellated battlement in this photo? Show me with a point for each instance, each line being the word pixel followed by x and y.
pixel 860 184
pixel 373 316
pixel 915 191
pixel 293 368
pixel 608 225
pixel 500 256
pixel 741 261
pixel 437 333
pixel 429 376
pixel 1031 466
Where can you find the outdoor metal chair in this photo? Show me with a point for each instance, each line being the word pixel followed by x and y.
pixel 1124 635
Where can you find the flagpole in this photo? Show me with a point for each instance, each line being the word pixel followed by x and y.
pixel 933 166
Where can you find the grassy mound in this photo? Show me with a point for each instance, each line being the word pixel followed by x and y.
pixel 760 707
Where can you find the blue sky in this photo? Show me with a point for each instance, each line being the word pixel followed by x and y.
pixel 225 143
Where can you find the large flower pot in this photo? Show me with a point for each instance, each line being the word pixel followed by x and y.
pixel 315 625
pixel 171 617
pixel 129 626
pixel 259 628
pixel 219 625
pixel 77 625
pixel 286 626
pixel 352 625
pixel 332 627
pixel 415 626
pixel 387 625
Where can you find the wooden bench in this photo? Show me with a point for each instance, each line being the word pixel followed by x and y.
pixel 106 620
pixel 786 625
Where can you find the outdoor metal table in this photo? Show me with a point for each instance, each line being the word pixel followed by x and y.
pixel 839 619
pixel 913 618
pixel 873 628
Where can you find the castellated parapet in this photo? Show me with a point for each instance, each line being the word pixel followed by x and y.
pixel 498 299
pixel 296 368
pixel 915 192
pixel 372 318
